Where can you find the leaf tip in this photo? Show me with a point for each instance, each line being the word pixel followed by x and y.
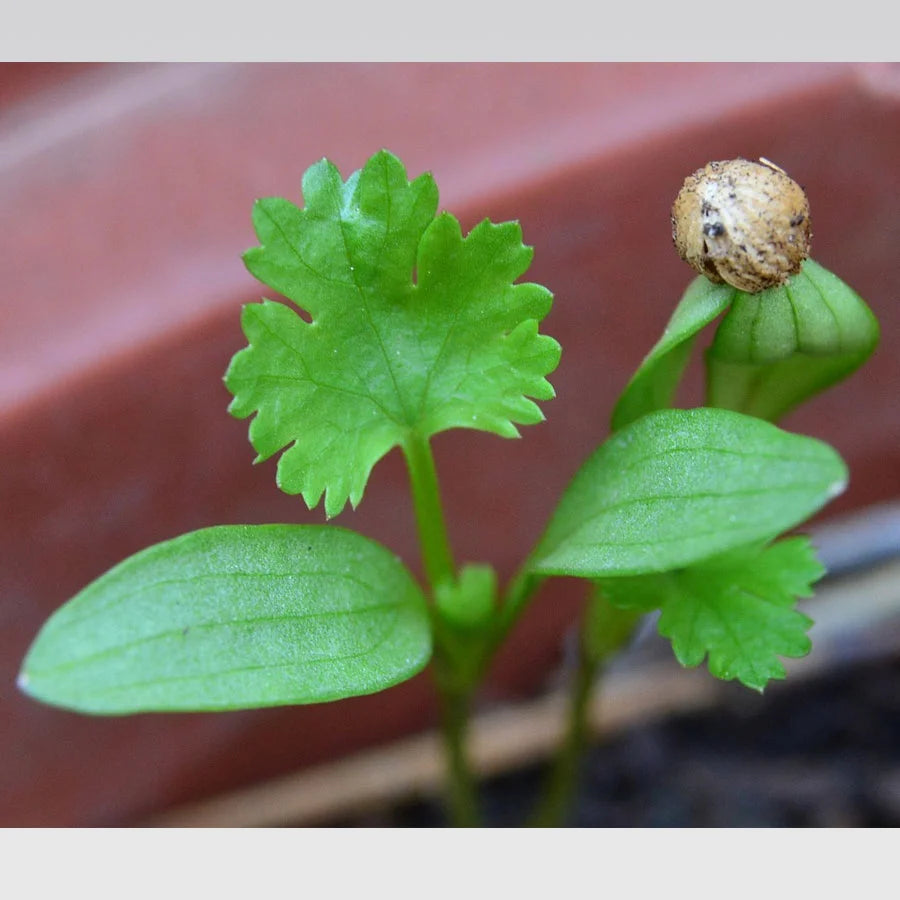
pixel 836 488
pixel 334 502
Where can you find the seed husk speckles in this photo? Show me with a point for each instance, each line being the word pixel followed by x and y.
pixel 742 223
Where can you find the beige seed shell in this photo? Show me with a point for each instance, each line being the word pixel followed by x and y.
pixel 742 223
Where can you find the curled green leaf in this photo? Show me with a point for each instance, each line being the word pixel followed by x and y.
pixel 653 385
pixel 776 349
pixel 471 601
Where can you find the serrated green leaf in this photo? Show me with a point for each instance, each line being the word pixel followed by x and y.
pixel 234 617
pixel 776 349
pixel 414 329
pixel 677 486
pixel 653 385
pixel 738 608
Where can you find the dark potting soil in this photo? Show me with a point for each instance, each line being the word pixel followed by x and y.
pixel 822 753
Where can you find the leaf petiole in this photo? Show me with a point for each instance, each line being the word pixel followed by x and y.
pixel 437 557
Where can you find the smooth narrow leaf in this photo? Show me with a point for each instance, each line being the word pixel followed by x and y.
pixel 653 386
pixel 412 328
pixel 677 486
pixel 775 349
pixel 234 617
pixel 739 608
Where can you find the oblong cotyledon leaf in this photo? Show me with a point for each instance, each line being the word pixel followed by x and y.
pixel 411 328
pixel 234 617
pixel 776 349
pixel 678 486
pixel 653 385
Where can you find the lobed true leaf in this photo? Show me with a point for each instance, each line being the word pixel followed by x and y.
pixel 737 608
pixel 412 329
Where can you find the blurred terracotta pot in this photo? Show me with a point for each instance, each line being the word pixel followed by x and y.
pixel 127 193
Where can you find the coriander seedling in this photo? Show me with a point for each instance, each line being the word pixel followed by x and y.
pixel 393 327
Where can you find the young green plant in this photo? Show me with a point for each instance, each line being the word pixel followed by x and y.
pixel 397 327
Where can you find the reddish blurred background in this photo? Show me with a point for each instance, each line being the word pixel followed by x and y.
pixel 126 190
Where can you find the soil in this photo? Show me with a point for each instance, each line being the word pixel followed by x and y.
pixel 823 753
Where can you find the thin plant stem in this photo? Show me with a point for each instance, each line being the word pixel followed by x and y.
pixel 436 555
pixel 462 797
pixel 604 630
pixel 521 589
pixel 565 774
pixel 454 695
pixel 519 592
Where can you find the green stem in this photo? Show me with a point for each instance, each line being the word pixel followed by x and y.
pixel 461 792
pixel 521 589
pixel 436 555
pixel 604 630
pixel 455 697
pixel 562 783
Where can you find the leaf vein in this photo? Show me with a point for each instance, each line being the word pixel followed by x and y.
pixel 342 223
pixel 121 598
pixel 212 626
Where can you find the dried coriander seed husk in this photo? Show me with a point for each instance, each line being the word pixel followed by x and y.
pixel 742 223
